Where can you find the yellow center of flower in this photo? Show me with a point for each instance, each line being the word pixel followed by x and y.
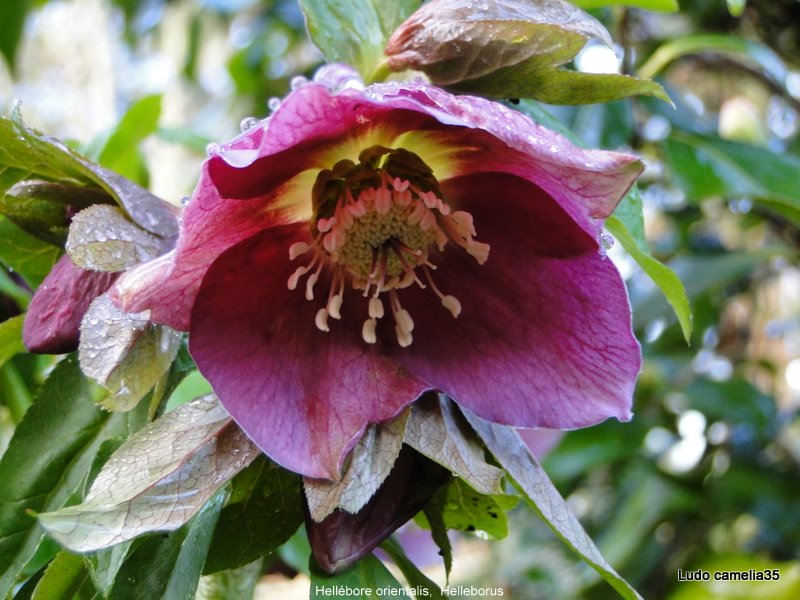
pixel 374 225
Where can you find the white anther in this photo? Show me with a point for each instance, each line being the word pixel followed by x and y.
pixel 464 224
pixel 443 208
pixel 452 304
pixel 478 250
pixel 295 277
pixel 400 185
pixel 298 249
pixel 383 201
pixel 375 308
pixel 310 283
pixel 404 338
pixel 368 331
pixel 404 320
pixel 324 225
pixel 321 320
pixel 335 305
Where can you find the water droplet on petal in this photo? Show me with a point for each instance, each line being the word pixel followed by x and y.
pixel 297 82
pixel 607 241
pixel 185 200
pixel 248 123
pixel 213 149
pixel 274 104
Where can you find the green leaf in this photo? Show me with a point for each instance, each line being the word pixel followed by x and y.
pixel 51 452
pixel 25 254
pixel 435 520
pixel 707 167
pixel 12 23
pixel 368 575
pixel 26 154
pixel 657 5
pixel 513 455
pixel 627 226
pixel 354 32
pixel 265 510
pixel 168 567
pixel 157 480
pixel 121 151
pixel 416 578
pixel 62 579
pixel 231 584
pixel 759 54
pixel 125 352
pixel 509 49
pixel 38 216
pixel 11 338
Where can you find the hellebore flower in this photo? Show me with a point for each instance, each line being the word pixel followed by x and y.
pixel 362 246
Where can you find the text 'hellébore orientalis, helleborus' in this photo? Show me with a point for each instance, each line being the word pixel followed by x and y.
pixel 364 245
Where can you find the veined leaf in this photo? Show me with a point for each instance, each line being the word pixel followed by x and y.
pixel 509 49
pixel 157 480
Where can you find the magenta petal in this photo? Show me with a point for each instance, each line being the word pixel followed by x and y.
pixel 53 321
pixel 542 341
pixel 302 395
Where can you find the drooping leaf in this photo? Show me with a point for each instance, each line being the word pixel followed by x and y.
pixel 30 155
pixel 62 579
pixel 52 450
pixel 25 254
pixel 368 575
pixel 370 462
pixel 101 238
pixel 264 511
pixel 435 520
pixel 11 338
pixel 417 579
pixel 509 49
pixel 464 509
pixel 354 32
pixel 437 431
pixel 125 352
pixel 168 567
pixel 513 455
pixel 627 226
pixel 157 480
pixel 35 215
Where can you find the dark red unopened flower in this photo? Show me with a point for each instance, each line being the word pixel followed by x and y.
pixel 364 245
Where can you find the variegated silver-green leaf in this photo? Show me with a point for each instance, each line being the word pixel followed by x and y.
pixel 125 352
pixel 370 463
pixel 102 238
pixel 437 431
pixel 157 480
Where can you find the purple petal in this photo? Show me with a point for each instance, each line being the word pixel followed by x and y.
pixel 52 324
pixel 303 396
pixel 543 339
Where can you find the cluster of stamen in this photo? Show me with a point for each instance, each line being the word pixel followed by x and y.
pixel 376 235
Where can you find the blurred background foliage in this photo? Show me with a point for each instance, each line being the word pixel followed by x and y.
pixel 706 475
